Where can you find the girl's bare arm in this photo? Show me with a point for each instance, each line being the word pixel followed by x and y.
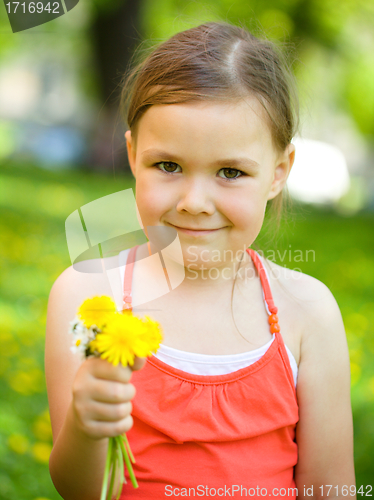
pixel 324 433
pixel 89 401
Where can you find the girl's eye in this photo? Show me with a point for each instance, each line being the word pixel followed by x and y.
pixel 167 166
pixel 231 173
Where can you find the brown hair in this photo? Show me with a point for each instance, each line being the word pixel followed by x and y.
pixel 216 61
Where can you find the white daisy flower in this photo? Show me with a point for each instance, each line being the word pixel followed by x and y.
pixel 92 332
pixel 80 343
pixel 75 325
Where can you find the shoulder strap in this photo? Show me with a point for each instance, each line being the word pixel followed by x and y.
pixel 269 302
pixel 127 282
pixel 272 309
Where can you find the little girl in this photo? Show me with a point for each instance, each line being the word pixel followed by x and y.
pixel 249 394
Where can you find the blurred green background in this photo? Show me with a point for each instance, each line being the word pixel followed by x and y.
pixel 61 146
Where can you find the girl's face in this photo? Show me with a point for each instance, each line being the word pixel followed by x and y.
pixel 207 166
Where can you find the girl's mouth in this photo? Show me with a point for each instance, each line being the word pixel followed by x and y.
pixel 196 232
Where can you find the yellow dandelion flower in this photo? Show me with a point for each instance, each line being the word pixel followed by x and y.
pixel 150 338
pixel 96 311
pixel 120 340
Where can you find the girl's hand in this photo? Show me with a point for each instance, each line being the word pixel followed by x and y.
pixel 102 395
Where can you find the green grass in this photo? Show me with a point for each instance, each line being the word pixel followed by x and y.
pixel 34 204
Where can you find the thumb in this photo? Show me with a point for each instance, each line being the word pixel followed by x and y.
pixel 138 363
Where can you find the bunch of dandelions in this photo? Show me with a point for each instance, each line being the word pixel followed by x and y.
pixel 100 330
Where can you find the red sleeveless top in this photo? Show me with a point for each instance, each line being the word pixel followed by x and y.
pixel 214 435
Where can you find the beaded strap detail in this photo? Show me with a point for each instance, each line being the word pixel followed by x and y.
pixel 268 297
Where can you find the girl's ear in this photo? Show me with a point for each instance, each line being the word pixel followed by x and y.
pixel 282 171
pixel 131 153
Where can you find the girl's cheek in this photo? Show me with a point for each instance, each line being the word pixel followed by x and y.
pixel 151 202
pixel 243 209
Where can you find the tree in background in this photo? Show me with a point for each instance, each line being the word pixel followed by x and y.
pixel 114 33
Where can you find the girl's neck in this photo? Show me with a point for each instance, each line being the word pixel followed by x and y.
pixel 207 275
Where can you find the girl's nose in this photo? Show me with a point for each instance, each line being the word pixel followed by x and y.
pixel 195 198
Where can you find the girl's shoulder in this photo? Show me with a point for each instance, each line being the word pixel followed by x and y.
pixel 72 287
pixel 308 309
pixel 301 291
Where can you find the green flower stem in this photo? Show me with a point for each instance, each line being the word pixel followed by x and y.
pixel 121 467
pixel 120 460
pixel 113 462
pixel 106 470
pixel 128 464
pixel 127 444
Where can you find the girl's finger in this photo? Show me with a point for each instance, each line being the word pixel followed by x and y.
pixel 138 363
pixel 103 412
pixel 104 391
pixel 99 430
pixel 102 369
